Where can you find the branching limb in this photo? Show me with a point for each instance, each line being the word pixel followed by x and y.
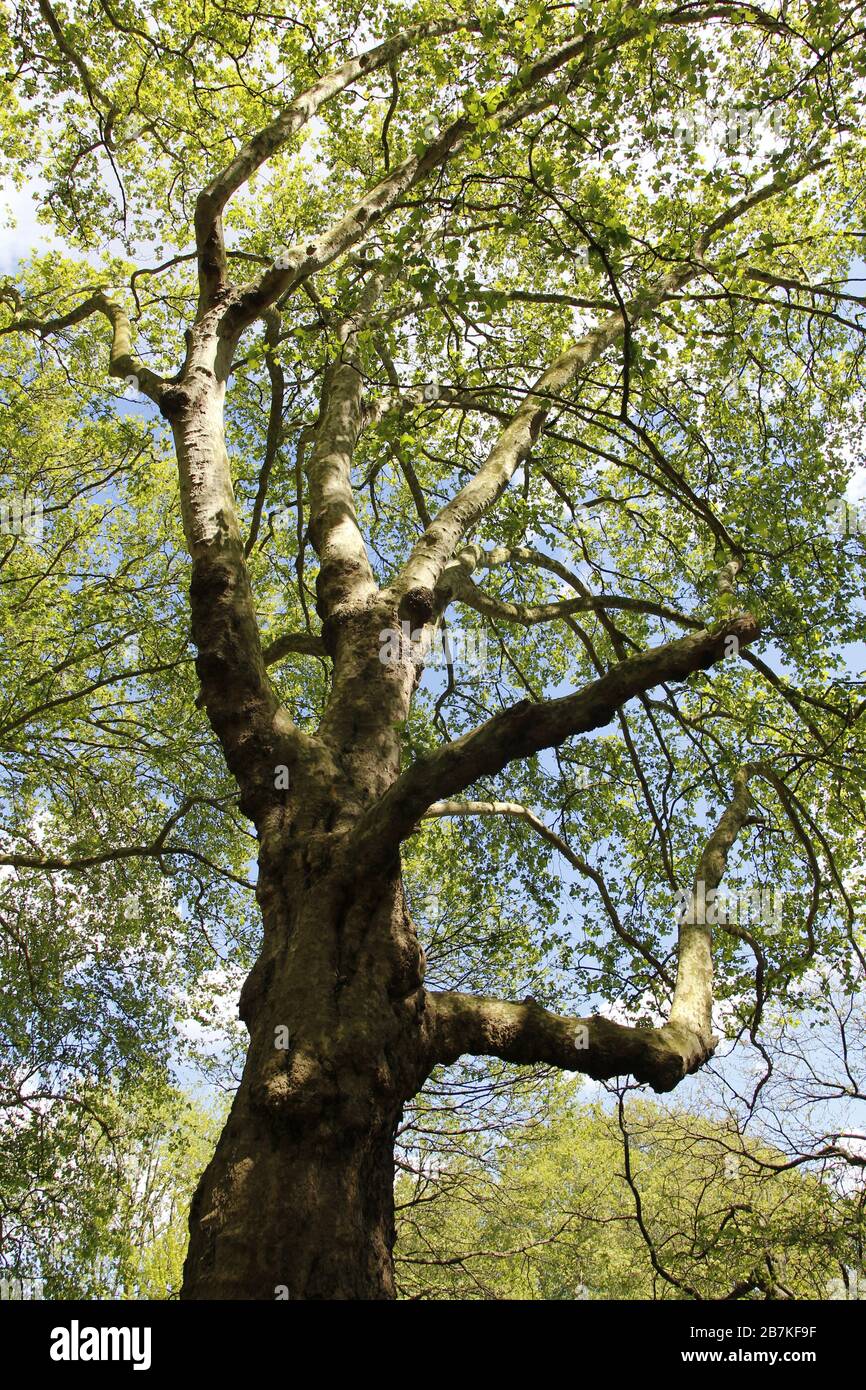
pixel 345 578
pixel 275 423
pixel 526 728
pixel 298 264
pixel 458 517
pixel 293 643
pixel 122 361
pixel 156 848
pixel 693 997
pixel 529 1034
pixel 513 808
pixel 456 582
pixel 213 198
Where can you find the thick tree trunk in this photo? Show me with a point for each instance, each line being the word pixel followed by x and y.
pixel 297 1201
pixel 295 1210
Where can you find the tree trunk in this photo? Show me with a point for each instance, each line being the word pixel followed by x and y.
pixel 293 1210
pixel 297 1201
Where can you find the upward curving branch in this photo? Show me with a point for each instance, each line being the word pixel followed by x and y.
pixel 442 538
pixel 210 243
pixel 302 261
pixel 529 1034
pixel 345 578
pixel 122 361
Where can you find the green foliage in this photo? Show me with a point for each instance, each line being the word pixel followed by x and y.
pixel 552 1213
pixel 96 1189
pixel 726 425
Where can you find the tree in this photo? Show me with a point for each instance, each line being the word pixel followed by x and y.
pixel 96 1195
pixel 466 299
pixel 628 1202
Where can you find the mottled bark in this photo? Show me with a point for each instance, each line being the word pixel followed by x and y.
pixel 297 1201
pixel 343 1033
pixel 596 1046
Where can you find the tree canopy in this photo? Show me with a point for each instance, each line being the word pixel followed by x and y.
pixel 546 320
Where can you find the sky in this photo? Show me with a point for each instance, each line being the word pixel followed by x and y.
pixel 20 240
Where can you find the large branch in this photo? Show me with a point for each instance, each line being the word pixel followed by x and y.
pixel 297 265
pixel 460 1024
pixel 293 644
pixel 122 361
pixel 526 728
pixel 345 579
pixel 103 109
pixel 529 1034
pixel 255 730
pixel 693 996
pixel 430 555
pixel 514 809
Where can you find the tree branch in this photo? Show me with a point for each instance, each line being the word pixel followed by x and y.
pixel 693 997
pixel 303 261
pixel 299 643
pixel 345 577
pixel 432 552
pixel 529 1034
pixel 250 157
pixel 122 362
pixel 275 422
pixel 526 728
pixel 513 808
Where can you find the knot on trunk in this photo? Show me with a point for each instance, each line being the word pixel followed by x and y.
pixel 295 1088
pixel 336 621
pixel 417 607
pixel 175 401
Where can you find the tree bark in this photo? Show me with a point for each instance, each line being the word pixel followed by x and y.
pixel 297 1204
pixel 297 1201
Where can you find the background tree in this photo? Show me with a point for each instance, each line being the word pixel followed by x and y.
pixel 746 1195
pixel 473 335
